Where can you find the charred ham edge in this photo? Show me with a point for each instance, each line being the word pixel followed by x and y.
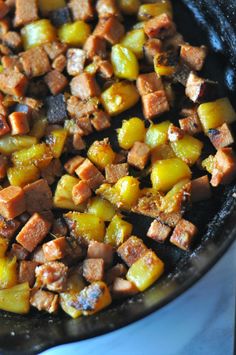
pixel 199 89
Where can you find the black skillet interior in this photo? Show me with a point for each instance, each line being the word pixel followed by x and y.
pixel 209 22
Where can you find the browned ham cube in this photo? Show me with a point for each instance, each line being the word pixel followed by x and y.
pixel 89 173
pixel 224 171
pixel 183 234
pixel 158 231
pixel 12 202
pixel 191 124
pixel 101 120
pixel 35 62
pixel 82 9
pixel 81 192
pixel 59 63
pixel 93 269
pixel 116 171
pixel 27 272
pixel 221 137
pixel 72 164
pixel 4 9
pixel 19 123
pixel 44 300
pixel 95 46
pixel 194 57
pixel 155 104
pixel 13 82
pixel 26 12
pixel 97 250
pixel 84 86
pixel 123 288
pixel 138 155
pixel 75 61
pixel 38 196
pixel 200 189
pixel 55 81
pixel 160 27
pixel 110 29
pixel 131 250
pixel 52 275
pixel 54 49
pixel 55 249
pixel 148 83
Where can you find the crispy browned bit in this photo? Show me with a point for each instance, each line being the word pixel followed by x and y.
pixel 52 275
pixel 110 29
pixel 44 300
pixel 200 189
pixel 158 231
pixel 191 124
pixel 56 81
pixel 89 173
pixel 26 11
pixel 123 288
pixel 81 9
pixel 77 108
pixel 55 249
pixel 194 57
pixel 12 202
pixel 4 127
pixel 18 251
pixel 101 120
pixel 173 43
pixel 116 171
pixel 175 133
pixel 78 142
pixel 148 83
pixel 35 62
pixel 160 27
pixel 221 137
pixel 152 47
pixel 8 228
pixel 33 232
pixel 97 250
pixel 84 86
pixel 75 61
pixel 72 164
pixel 138 155
pixel 38 196
pixel 224 168
pixel 13 82
pixel 155 104
pixel 198 89
pixel 95 46
pixel 54 49
pixel 19 123
pixel 27 272
pixel 131 250
pixel 184 234
pixel 12 40
pixel 93 269
pixel 85 125
pixel 59 63
pixel 105 69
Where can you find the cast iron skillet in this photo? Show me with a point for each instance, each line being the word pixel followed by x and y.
pixel 209 22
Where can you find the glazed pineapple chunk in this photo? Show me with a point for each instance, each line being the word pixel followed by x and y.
pixel 166 173
pixel 38 33
pixel 63 194
pixel 119 97
pixel 135 40
pixel 101 153
pixel 128 191
pixel 145 271
pixel 8 272
pixel 101 208
pixel 10 144
pixel 157 134
pixel 75 33
pixel 37 154
pixel 188 149
pixel 165 63
pixel 214 114
pixel 176 197
pixel 147 11
pixel 93 298
pixel 109 193
pixel 129 7
pixel 130 132
pixel 16 299
pixel 22 175
pixel 86 225
pixel 57 140
pixel 75 284
pixel 124 62
pixel 118 231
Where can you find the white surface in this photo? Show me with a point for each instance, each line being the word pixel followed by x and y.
pixel 199 322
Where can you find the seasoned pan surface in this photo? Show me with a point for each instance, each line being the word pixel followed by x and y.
pixel 207 22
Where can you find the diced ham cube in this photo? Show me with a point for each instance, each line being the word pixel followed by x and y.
pixel 52 275
pixel 72 164
pixel 224 170
pixel 160 27
pixel 12 40
pixel 12 202
pixel 89 173
pixel 81 192
pixel 183 234
pixel 221 137
pixel 84 86
pixel 82 9
pixel 56 81
pixel 4 127
pixel 8 227
pixel 191 124
pixel 110 29
pixel 119 270
pixel 35 62
pixel 54 49
pixel 131 250
pixel 38 256
pixel 93 269
pixel 19 123
pixel 116 171
pixel 123 288
pixel 18 251
pixel 84 125
pixel 75 61
pixel 4 9
pixel 78 108
pixel 44 301
pixel 175 133
pixel 101 120
pixel 97 250
pixel 55 249
pixel 198 89
pixel 107 8
pixel 4 26
pixel 26 12
pixel 38 196
pixel 152 47
pixel 13 83
pixel 138 155
pixel 194 57
pixel 53 170
pixel 78 142
pixel 158 231
pixel 155 104
pixel 33 232
pixel 95 46
pixel 200 189
pixel 11 62
pixel 27 272
pixel 105 69
pixel 148 83
pixel 59 63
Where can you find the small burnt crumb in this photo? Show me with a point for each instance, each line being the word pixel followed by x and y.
pixel 60 16
pixel 56 108
pixel 213 132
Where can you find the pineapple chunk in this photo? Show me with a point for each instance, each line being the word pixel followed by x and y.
pixel 10 144
pixel 38 154
pixel 75 284
pixel 124 62
pixel 214 114
pixel 86 225
pixel 145 271
pixel 166 173
pixel 188 149
pixel 128 191
pixel 74 34
pixel 37 33
pixel 135 40
pixel 38 127
pixel 118 231
pixel 101 153
pixel 147 11
pixel 101 208
pixel 173 200
pixel 130 132
pixel 165 63
pixel 209 163
pixel 63 194
pixel 109 193
pixel 8 272
pixel 22 175
pixel 56 141
pixel 157 134
pixel 16 299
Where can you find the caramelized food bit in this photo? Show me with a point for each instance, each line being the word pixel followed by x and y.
pixel 183 234
pixel 158 231
pixel 132 250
